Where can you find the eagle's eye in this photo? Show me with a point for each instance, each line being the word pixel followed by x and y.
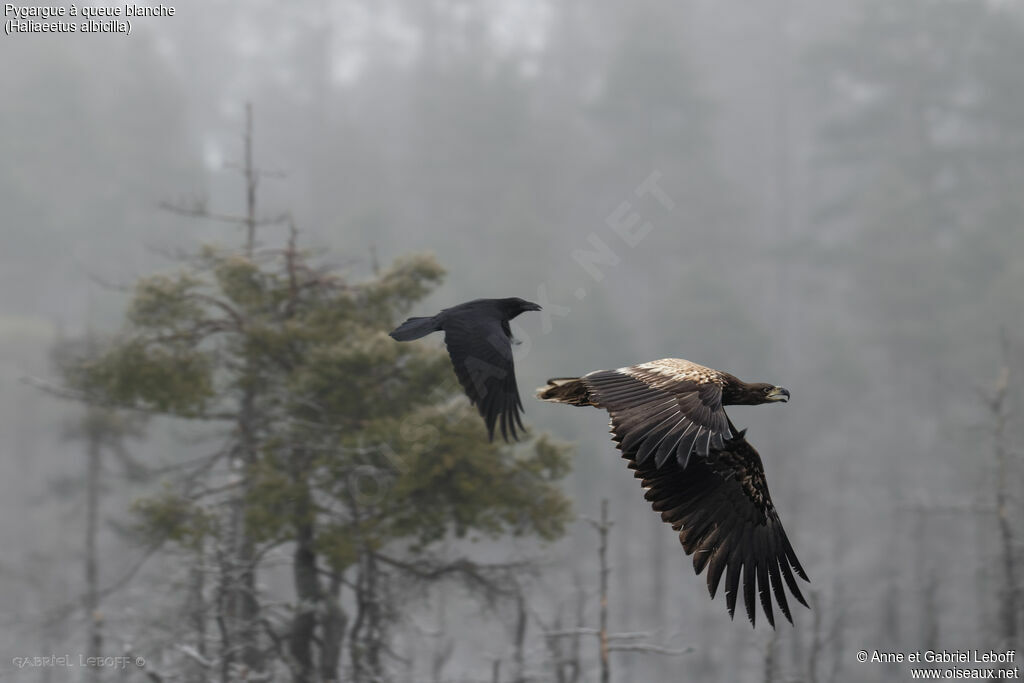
pixel 766 390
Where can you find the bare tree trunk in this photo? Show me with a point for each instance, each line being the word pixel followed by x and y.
pixel 195 612
pixel 92 499
pixel 303 630
pixel 925 578
pixel 1010 598
pixel 520 639
pixel 603 526
pixel 307 583
pixel 375 642
pixel 355 635
pixel 244 604
pixel 225 612
pixel 443 647
pixel 237 606
pixel 244 599
pixel 333 631
pixel 625 610
pixel 366 636
pixel 575 666
pixel 251 183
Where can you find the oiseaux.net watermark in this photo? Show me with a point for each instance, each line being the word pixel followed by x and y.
pixel 949 664
pixel 78 660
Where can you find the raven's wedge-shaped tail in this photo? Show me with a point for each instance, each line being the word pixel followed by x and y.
pixel 414 328
pixel 569 390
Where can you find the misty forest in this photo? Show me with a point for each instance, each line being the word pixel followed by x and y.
pixel 218 466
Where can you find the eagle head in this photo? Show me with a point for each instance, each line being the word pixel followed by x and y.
pixel 763 392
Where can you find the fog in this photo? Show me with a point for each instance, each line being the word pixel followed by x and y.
pixel 824 196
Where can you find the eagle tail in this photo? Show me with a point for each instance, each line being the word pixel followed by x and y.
pixel 569 390
pixel 414 328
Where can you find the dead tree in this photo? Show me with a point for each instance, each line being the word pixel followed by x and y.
pixel 603 526
pixel 92 493
pixel 238 606
pixel 823 641
pixel 564 652
pixel 997 401
pixel 519 653
pixel 104 432
pixel 609 642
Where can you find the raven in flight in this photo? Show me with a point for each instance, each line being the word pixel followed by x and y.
pixel 479 342
pixel 698 470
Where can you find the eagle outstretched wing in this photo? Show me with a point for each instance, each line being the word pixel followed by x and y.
pixel 723 512
pixel 713 492
pixel 662 408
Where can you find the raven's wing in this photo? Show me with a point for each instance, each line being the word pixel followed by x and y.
pixel 481 351
pixel 725 518
pixel 662 408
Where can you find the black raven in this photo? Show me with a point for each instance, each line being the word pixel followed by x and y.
pixel 698 470
pixel 479 342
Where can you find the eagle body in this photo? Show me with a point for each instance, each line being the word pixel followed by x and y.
pixel 664 407
pixel 479 342
pixel 667 417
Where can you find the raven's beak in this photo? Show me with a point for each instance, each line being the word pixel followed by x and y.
pixel 778 394
pixel 530 306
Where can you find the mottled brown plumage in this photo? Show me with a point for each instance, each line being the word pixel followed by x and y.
pixel 698 470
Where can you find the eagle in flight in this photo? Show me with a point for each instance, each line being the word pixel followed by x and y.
pixel 479 342
pixel 698 470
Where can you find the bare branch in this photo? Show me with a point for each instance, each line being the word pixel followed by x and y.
pixel 644 647
pixel 569 633
pixel 199 210
pixel 194 655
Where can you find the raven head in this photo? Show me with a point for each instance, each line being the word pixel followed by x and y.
pixel 514 306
